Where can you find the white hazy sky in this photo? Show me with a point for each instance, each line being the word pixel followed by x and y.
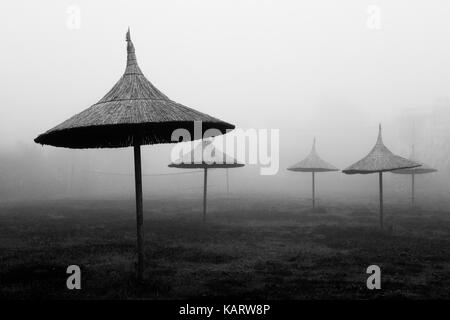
pixel 308 68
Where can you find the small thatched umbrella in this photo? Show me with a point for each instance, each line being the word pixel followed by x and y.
pixel 380 159
pixel 424 168
pixel 191 163
pixel 132 113
pixel 313 163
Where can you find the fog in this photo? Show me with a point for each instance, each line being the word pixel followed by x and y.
pixel 313 69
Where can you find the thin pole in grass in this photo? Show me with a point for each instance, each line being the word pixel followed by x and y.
pixel 228 183
pixel 205 187
pixel 423 169
pixel 313 163
pixel 132 114
pixel 381 198
pixel 313 191
pixel 380 159
pixel 205 165
pixel 139 209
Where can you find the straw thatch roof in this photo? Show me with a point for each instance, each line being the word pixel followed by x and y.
pixel 189 161
pixel 313 163
pixel 380 159
pixel 132 108
pixel 424 168
pixel 418 170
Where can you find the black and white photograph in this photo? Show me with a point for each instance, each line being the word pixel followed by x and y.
pixel 228 155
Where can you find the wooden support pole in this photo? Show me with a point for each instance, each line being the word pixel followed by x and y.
pixel 205 186
pixel 313 191
pixel 139 211
pixel 228 183
pixel 381 199
pixel 412 189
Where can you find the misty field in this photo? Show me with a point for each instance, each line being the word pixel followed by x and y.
pixel 248 248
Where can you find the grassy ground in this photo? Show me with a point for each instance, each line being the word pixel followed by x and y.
pixel 249 248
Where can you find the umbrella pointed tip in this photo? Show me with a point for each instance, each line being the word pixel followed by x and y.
pixel 132 66
pixel 128 36
pixel 380 138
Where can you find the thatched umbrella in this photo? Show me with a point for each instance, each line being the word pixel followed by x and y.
pixel 424 168
pixel 132 113
pixel 313 163
pixel 379 160
pixel 191 163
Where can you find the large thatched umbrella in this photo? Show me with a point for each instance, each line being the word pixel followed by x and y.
pixel 313 163
pixel 379 160
pixel 192 163
pixel 132 113
pixel 424 168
